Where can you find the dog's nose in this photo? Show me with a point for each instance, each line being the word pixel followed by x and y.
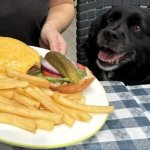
pixel 110 35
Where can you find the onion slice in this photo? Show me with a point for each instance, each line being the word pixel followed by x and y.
pixel 45 65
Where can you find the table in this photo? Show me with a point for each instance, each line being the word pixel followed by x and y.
pixel 127 128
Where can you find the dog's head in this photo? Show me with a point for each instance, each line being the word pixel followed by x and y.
pixel 121 35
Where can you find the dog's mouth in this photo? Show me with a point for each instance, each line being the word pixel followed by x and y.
pixel 108 59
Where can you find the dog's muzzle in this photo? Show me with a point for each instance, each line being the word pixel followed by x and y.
pixel 109 60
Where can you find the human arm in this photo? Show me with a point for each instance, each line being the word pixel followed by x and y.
pixel 60 16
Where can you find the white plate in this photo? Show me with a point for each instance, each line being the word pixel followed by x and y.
pixel 61 135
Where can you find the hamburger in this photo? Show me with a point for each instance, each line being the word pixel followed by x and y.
pixel 16 55
pixel 63 74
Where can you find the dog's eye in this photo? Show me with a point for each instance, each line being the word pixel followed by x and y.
pixel 109 20
pixel 137 28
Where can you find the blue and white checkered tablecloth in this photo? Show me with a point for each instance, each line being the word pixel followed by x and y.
pixel 127 128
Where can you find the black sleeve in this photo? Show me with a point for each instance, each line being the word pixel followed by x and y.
pixel 23 19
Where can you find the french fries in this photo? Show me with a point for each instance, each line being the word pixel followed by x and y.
pixel 29 113
pixel 31 79
pixel 44 124
pixel 24 123
pixel 76 114
pixel 7 93
pixel 87 108
pixel 27 102
pixel 10 84
pixel 5 100
pixel 47 103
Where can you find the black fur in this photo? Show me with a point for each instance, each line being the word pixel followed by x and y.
pixel 123 34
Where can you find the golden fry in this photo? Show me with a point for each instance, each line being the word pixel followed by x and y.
pixel 47 91
pixel 26 101
pixel 29 113
pixel 3 77
pixel 48 103
pixel 23 92
pixel 68 119
pixel 21 122
pixel 20 90
pixel 7 93
pixel 76 114
pixel 5 100
pixel 82 100
pixel 87 108
pixel 31 79
pixel 44 124
pixel 9 84
pixel 73 96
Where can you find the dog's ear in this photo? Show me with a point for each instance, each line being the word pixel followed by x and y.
pixel 90 41
pixel 85 48
pixel 96 26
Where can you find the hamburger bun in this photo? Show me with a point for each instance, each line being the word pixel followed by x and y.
pixel 16 55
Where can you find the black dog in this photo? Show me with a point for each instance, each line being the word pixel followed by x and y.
pixel 118 45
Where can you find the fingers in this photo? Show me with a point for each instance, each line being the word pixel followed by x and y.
pixel 55 45
pixel 58 44
pixel 44 45
pixel 51 39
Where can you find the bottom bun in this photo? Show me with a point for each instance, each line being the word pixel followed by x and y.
pixel 73 87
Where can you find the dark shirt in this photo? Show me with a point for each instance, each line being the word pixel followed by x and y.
pixel 23 19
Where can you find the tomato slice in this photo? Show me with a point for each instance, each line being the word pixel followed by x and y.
pixel 80 66
pixel 51 74
pixel 45 73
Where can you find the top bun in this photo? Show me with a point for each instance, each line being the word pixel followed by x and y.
pixel 16 55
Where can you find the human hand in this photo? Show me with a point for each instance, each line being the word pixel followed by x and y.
pixel 51 39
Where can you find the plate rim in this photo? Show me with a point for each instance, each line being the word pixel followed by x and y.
pixel 58 145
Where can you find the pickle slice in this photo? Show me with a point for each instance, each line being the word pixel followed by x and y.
pixel 63 65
